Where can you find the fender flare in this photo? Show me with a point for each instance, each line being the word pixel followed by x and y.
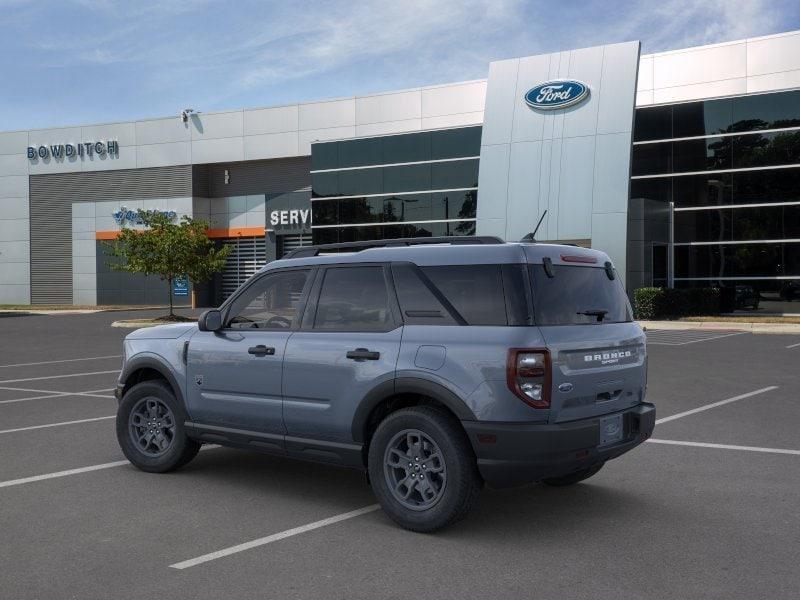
pixel 407 385
pixel 151 362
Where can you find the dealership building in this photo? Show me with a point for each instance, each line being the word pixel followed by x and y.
pixel 684 166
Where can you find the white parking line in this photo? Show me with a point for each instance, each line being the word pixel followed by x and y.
pixel 66 360
pixel 683 337
pixel 792 346
pixel 54 394
pixel 715 404
pixel 725 446
pixel 55 424
pixel 275 537
pixel 58 376
pixel 67 473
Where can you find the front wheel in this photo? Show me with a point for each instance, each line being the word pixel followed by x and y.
pixel 150 428
pixel 573 478
pixel 422 469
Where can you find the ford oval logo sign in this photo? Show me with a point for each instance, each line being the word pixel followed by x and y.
pixel 556 94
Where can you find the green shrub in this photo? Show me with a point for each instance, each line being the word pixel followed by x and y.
pixel 663 303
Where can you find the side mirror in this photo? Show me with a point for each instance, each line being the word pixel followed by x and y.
pixel 211 320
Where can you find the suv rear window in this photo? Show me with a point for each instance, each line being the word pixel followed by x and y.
pixel 577 296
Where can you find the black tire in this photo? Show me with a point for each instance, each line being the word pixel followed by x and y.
pixel 177 451
pixel 573 478
pixel 462 482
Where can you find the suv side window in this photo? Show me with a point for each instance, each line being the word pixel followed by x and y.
pixel 354 299
pixel 418 302
pixel 272 302
pixel 475 291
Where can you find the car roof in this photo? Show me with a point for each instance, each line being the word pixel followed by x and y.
pixel 456 254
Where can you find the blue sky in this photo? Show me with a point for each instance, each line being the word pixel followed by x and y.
pixel 90 61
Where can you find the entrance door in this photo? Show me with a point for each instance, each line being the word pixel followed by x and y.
pixel 234 375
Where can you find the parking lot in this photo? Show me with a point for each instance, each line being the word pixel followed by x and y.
pixel 709 508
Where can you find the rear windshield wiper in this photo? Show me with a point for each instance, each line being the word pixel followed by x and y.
pixel 598 312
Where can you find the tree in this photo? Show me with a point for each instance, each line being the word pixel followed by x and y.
pixel 168 249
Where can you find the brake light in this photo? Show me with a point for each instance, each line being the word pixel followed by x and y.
pixel 575 258
pixel 528 374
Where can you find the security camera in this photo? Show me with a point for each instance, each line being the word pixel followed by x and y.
pixel 185 114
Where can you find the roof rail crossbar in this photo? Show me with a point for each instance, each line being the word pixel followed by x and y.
pixel 308 251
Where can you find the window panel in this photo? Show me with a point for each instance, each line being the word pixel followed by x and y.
pixel 775 185
pixel 325 212
pixel 357 153
pixel 652 123
pixel 454 205
pixel 407 207
pixel 415 147
pixel 702 155
pixel 476 291
pixel 737 260
pixel 766 111
pixel 324 184
pixel 760 150
pixel 269 303
pixel 360 181
pixel 702 190
pixel 653 189
pixel 652 159
pixel 407 178
pixel 457 174
pixel 701 118
pixel 325 156
pixel 353 299
pixel 454 143
pixel 418 304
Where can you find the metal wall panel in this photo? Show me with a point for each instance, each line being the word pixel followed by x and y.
pixel 51 198
pixel 259 177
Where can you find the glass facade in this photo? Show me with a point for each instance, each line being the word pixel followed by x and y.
pixel 731 167
pixel 407 185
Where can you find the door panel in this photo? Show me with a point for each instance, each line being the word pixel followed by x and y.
pixel 322 387
pixel 228 386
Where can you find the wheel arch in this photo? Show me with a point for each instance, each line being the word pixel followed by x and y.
pixel 393 395
pixel 146 368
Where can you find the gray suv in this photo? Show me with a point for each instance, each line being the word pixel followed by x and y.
pixel 433 364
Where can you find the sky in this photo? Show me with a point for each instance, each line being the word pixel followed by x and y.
pixel 73 62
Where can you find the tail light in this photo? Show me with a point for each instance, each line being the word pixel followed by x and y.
pixel 528 373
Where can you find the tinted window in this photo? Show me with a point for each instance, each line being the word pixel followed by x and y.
pixel 325 156
pixel 456 174
pixel 767 223
pixel 737 260
pixel 652 189
pixel 475 291
pixel 418 303
pixel 325 212
pixel 454 143
pixel 353 299
pixel 565 298
pixel 653 123
pixel 652 159
pixel 778 185
pixel 702 155
pixel 454 205
pixel 702 190
pixel 701 118
pixel 407 148
pixel 766 111
pixel 325 184
pixel 269 303
pixel 409 178
pixel 756 150
pixel 361 181
pixel 356 153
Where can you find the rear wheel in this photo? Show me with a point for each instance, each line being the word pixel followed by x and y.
pixel 150 428
pixel 422 469
pixel 575 477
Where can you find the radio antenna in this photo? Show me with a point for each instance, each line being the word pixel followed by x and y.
pixel 531 237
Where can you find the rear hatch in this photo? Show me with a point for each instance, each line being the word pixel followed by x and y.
pixel 597 352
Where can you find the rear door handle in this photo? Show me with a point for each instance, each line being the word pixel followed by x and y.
pixel 261 350
pixel 363 354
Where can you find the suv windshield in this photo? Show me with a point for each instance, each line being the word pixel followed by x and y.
pixel 577 296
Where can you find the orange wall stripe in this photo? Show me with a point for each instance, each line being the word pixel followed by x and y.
pixel 212 233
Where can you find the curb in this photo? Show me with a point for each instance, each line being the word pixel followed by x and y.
pixel 138 325
pixel 751 327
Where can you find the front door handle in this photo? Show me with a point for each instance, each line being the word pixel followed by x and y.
pixel 363 354
pixel 261 350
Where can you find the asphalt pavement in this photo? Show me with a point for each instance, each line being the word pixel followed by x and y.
pixel 708 509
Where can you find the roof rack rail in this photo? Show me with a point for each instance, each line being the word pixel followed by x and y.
pixel 308 251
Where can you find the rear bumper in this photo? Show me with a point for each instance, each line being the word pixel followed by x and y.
pixel 523 452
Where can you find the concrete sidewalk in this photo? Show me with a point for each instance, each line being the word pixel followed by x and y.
pixel 751 326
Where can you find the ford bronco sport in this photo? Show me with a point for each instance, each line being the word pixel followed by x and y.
pixel 434 364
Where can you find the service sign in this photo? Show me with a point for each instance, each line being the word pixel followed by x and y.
pixel 553 95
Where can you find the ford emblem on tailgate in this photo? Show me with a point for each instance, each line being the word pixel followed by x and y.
pixel 556 94
pixel 565 387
